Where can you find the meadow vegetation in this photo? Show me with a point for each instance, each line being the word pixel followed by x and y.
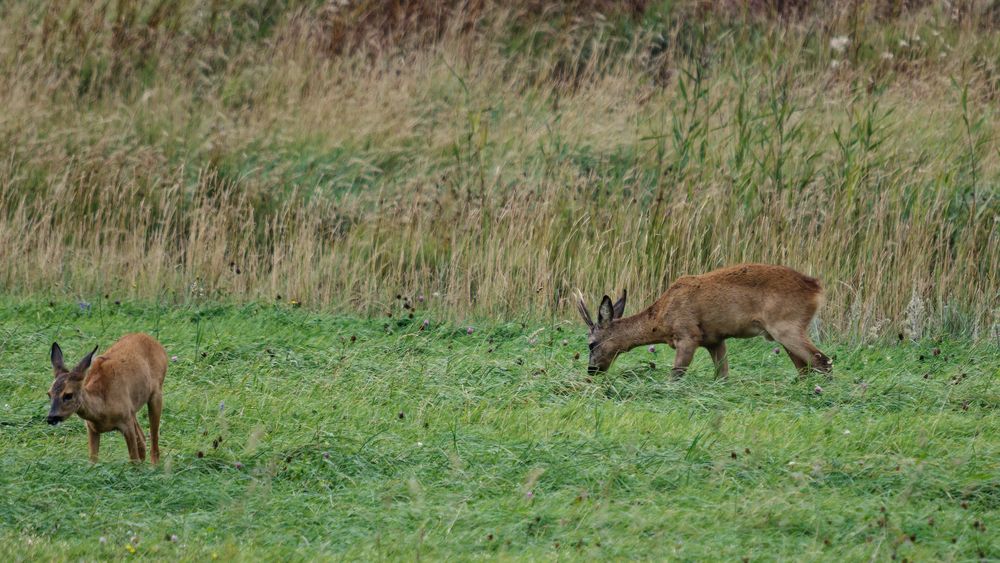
pixel 356 228
pixel 501 155
pixel 295 435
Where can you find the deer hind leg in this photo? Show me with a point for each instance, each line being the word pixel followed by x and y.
pixel 128 431
pixel 155 407
pixel 800 364
pixel 718 352
pixel 798 345
pixel 140 439
pixel 682 359
pixel 821 362
pixel 93 441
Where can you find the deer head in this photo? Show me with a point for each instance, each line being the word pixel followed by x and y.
pixel 67 388
pixel 601 336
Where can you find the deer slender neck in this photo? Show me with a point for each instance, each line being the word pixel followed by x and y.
pixel 637 330
pixel 90 405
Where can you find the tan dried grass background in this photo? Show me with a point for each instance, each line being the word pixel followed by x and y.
pixel 172 150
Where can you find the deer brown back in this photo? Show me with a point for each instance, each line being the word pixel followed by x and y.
pixel 740 301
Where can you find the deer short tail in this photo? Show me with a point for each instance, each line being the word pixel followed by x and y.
pixel 811 284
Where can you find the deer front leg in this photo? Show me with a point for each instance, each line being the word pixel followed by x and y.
pixel 685 353
pixel 93 441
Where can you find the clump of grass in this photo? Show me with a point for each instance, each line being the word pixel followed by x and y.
pixel 151 151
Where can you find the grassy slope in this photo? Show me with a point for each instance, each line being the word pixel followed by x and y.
pixel 435 437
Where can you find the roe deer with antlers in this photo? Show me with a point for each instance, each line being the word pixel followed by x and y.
pixel 740 301
pixel 108 395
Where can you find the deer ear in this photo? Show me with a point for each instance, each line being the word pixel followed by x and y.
pixel 619 308
pixel 85 362
pixel 57 358
pixel 582 308
pixel 606 313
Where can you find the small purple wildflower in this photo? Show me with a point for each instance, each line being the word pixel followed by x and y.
pixel 818 390
pixel 326 455
pixel 174 538
pixel 84 306
pixel 173 358
pixel 420 298
pixel 469 330
pixel 238 465
pixel 222 406
pixel 652 349
pixel 426 323
pixel 529 495
pixel 776 350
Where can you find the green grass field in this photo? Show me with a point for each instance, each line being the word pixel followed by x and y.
pixel 295 435
pixel 195 159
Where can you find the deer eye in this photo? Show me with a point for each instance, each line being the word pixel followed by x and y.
pixel 67 396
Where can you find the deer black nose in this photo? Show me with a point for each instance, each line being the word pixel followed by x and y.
pixel 53 420
pixel 593 369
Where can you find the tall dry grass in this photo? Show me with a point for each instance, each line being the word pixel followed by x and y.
pixel 168 150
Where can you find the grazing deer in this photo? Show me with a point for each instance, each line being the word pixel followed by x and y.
pixel 107 397
pixel 740 301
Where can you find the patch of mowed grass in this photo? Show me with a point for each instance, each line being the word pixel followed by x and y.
pixel 291 434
